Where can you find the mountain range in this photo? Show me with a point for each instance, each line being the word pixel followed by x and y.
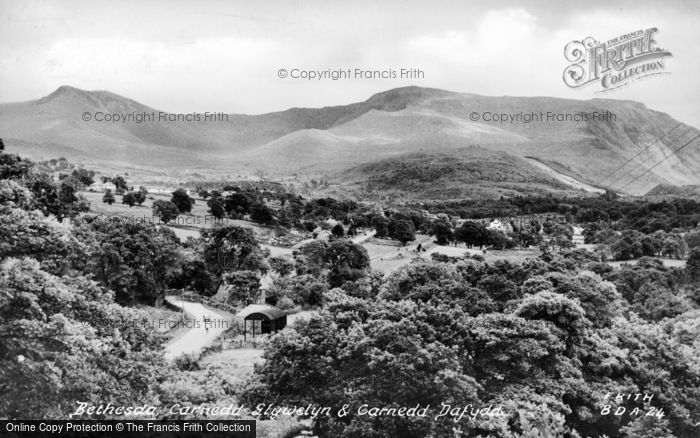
pixel 445 140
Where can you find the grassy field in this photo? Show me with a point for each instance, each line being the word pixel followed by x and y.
pixel 186 225
pixel 197 217
pixel 669 263
pixel 388 258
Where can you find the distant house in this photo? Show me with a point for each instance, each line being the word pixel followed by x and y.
pixel 331 222
pixel 275 204
pixel 101 187
pixel 159 190
pixel 499 225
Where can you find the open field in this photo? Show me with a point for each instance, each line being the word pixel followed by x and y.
pixel 197 217
pixel 186 225
pixel 669 263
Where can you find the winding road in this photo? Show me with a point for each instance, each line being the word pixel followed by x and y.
pixel 194 340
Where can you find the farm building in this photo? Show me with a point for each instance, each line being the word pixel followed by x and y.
pixel 101 187
pixel 498 225
pixel 271 319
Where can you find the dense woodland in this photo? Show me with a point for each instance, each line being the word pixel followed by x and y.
pixel 546 338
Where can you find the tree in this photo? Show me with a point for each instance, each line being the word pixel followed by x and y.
pixel 244 287
pixel 261 214
pixel 338 230
pixel 342 260
pixel 304 290
pixel 563 241
pixel 237 204
pixel 404 231
pixel 141 195
pixel 443 233
pixel 31 234
pixel 499 287
pixel 693 239
pixel 216 207
pixel 58 199
pixel 182 201
pixel 655 302
pixel 503 348
pixel 313 362
pixel 84 176
pixel 565 313
pixel 598 298
pixel 232 249
pixel 346 261
pixel 472 233
pixel 165 211
pixel 2 145
pixel 129 198
pixel 309 226
pixel 195 275
pixel 692 266
pixel 13 166
pixel 381 226
pixel 120 184
pixel 13 194
pixel 108 197
pixel 528 238
pixel 59 344
pixel 136 260
pixel 281 265
pixel 628 246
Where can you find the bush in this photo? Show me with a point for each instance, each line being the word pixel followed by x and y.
pixel 187 362
pixel 108 197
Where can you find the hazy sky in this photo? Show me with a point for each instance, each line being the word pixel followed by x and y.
pixel 225 55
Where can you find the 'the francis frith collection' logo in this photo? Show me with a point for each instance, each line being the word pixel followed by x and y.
pixel 614 63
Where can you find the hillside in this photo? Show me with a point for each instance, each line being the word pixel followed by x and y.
pixel 668 191
pixel 470 173
pixel 631 153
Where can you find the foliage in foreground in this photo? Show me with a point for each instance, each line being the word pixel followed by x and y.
pixel 546 341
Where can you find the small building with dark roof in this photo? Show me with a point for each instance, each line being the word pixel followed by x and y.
pixel 271 318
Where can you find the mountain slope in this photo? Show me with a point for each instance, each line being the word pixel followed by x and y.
pixel 472 172
pixel 633 151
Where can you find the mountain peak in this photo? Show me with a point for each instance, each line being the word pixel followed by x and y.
pixel 65 91
pixel 68 89
pixel 399 98
pixel 68 95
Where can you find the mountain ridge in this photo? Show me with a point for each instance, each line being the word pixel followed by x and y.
pixel 620 153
